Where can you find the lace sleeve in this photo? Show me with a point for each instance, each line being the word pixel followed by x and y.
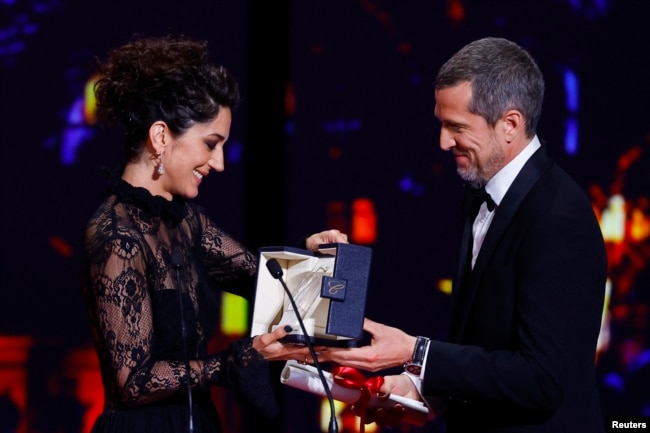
pixel 246 373
pixel 123 319
pixel 232 267
pixel 230 264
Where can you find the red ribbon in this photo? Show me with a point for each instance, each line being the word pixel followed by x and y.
pixel 352 378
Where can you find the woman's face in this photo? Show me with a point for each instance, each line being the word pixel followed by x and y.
pixel 190 157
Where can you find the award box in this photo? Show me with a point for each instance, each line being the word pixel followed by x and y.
pixel 329 288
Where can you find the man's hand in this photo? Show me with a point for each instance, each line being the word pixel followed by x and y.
pixel 389 347
pixel 391 416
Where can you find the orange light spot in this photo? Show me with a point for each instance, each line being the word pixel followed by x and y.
pixel 364 221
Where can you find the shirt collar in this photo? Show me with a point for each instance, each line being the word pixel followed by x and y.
pixel 498 185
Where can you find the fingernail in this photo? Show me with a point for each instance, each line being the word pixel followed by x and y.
pixel 288 328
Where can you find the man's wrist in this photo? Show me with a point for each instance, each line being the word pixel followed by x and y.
pixel 414 365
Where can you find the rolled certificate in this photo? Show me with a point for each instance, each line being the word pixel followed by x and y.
pixel 305 377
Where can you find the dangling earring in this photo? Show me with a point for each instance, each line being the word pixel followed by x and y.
pixel 161 167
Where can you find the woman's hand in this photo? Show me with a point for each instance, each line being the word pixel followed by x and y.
pixel 332 236
pixel 273 350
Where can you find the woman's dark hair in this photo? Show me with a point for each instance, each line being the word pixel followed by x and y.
pixel 169 79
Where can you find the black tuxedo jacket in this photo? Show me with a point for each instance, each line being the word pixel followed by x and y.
pixel 526 319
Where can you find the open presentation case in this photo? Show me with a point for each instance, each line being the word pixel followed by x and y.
pixel 329 289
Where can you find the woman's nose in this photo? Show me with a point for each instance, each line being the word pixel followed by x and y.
pixel 216 162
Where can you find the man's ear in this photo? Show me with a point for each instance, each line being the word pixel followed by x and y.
pixel 513 125
pixel 158 136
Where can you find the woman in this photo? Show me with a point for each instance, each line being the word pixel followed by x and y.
pixel 154 263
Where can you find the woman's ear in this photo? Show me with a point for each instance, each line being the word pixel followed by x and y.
pixel 158 134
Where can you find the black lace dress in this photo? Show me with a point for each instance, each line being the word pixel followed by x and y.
pixel 144 257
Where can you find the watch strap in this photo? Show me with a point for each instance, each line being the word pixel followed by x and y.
pixel 414 365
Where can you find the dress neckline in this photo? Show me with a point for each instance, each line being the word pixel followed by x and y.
pixel 172 211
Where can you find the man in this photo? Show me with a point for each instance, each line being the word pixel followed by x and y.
pixel 528 298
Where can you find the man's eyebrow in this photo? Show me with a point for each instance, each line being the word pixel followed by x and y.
pixel 452 123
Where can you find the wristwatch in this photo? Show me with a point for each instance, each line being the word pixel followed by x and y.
pixel 414 365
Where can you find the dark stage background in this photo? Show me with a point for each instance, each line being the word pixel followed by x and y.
pixel 335 129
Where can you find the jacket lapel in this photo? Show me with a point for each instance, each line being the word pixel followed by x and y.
pixel 464 259
pixel 467 282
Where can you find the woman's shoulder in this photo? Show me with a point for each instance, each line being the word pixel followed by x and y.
pixel 114 220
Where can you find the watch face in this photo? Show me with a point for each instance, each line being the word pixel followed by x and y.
pixel 414 369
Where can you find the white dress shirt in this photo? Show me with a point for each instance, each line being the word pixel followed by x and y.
pixel 497 187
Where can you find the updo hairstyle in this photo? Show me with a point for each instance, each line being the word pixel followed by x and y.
pixel 168 79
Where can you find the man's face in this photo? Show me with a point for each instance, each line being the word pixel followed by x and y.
pixel 477 147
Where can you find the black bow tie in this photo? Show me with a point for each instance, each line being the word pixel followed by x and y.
pixel 480 196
